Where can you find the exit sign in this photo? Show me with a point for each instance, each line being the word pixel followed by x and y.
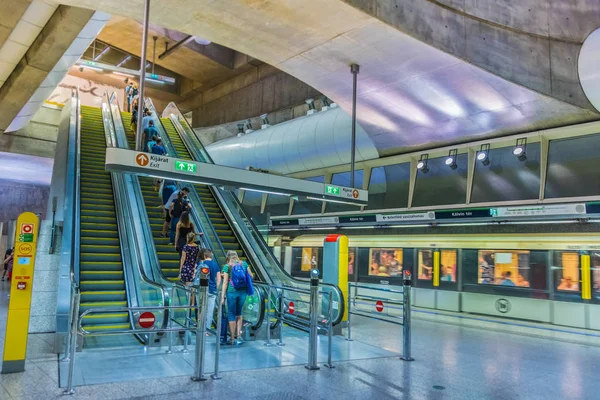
pixel 334 190
pixel 183 166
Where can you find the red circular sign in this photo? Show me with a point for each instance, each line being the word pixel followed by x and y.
pixel 379 306
pixel 291 307
pixel 142 160
pixel 27 228
pixel 146 320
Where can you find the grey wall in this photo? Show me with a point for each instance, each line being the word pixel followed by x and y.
pixel 17 198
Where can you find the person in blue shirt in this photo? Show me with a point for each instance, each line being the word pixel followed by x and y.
pixel 158 148
pixel 151 144
pixel 507 281
pixel 149 133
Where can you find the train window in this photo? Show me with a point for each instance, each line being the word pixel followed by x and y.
pixel 425 265
pixel 504 267
pixel 385 262
pixel 448 261
pixel 306 258
pixel 566 271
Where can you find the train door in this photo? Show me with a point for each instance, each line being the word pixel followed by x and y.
pixel 437 279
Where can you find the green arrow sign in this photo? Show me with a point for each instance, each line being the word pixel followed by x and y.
pixel 183 166
pixel 26 237
pixel 332 190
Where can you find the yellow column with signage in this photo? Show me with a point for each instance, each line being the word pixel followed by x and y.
pixel 436 268
pixel 17 325
pixel 586 277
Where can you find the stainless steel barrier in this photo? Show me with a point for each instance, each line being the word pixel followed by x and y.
pixel 405 320
pixel 313 325
pixel 199 329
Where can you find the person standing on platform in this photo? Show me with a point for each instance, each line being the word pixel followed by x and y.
pixel 183 227
pixel 237 283
pixel 8 261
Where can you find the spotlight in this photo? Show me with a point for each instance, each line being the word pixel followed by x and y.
pixel 422 164
pixel 451 159
pixel 311 103
pixel 520 149
pixel 202 41
pixel 240 128
pixel 265 121
pixel 248 125
pixel 483 154
pixel 326 102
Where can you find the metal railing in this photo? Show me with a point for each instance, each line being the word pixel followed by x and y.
pixel 378 304
pixel 276 298
pixel 200 328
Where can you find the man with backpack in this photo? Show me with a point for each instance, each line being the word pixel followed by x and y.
pixel 237 283
pixel 214 280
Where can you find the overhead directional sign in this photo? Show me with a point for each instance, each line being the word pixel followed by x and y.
pixel 121 160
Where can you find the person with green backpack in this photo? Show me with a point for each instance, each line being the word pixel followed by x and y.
pixel 237 283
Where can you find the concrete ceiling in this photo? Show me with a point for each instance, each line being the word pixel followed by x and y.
pixel 126 33
pixel 411 94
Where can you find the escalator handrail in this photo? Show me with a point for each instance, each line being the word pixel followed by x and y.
pixel 197 203
pixel 127 230
pixel 149 245
pixel 77 202
pixel 197 146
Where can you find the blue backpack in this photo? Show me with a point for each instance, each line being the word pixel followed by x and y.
pixel 238 277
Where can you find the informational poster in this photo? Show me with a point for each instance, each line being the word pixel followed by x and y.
pixel 309 258
pixel 90 92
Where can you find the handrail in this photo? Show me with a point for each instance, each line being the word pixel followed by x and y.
pixel 246 226
pixel 77 209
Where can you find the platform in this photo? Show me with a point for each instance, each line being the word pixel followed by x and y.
pixel 452 362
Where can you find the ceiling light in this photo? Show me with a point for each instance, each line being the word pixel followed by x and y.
pixel 265 191
pixel 483 154
pixel 422 164
pixel 311 103
pixel 451 159
pixel 201 41
pixel 154 80
pixel 92 68
pixel 265 119
pixel 334 201
pixel 520 149
pixel 123 74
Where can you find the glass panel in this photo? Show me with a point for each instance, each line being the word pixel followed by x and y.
pixel 506 178
pixel 251 203
pixel 441 184
pixel 309 206
pixel 448 259
pixel 566 271
pixel 425 265
pixel 595 265
pixel 385 262
pixel 343 179
pixel 572 165
pixel 504 267
pixel 388 187
pixel 277 205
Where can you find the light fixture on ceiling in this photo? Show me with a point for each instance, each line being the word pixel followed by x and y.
pixel 240 129
pixel 326 102
pixel 265 191
pixel 422 164
pixel 248 125
pixel 311 103
pixel 123 74
pixel 483 154
pixel 201 41
pixel 520 149
pixel 265 119
pixel 451 159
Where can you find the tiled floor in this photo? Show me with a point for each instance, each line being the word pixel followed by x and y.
pixel 452 362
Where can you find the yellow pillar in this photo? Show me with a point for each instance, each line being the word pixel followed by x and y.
pixel 436 268
pixel 17 325
pixel 586 277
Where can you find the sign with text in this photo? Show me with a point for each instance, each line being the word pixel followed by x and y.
pixel 423 216
pixel 318 221
pixel 550 209
pixel 464 214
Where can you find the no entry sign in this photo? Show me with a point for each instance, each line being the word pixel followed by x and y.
pixel 379 306
pixel 291 307
pixel 146 320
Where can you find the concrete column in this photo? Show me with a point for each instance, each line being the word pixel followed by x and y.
pixel 45 52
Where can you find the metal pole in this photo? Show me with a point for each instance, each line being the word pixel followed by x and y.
pixel 330 331
pixel 350 302
pixel 268 317
pixel 188 317
pixel 218 332
pixel 406 318
pixel 170 324
pixel 202 306
pixel 281 313
pixel 354 69
pixel 138 137
pixel 314 308
pixel 155 38
pixel 72 316
pixel 73 345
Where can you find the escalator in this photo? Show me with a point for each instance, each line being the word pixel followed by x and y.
pixel 217 219
pixel 167 256
pixel 101 277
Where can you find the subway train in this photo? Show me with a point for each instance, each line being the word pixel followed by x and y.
pixel 549 278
